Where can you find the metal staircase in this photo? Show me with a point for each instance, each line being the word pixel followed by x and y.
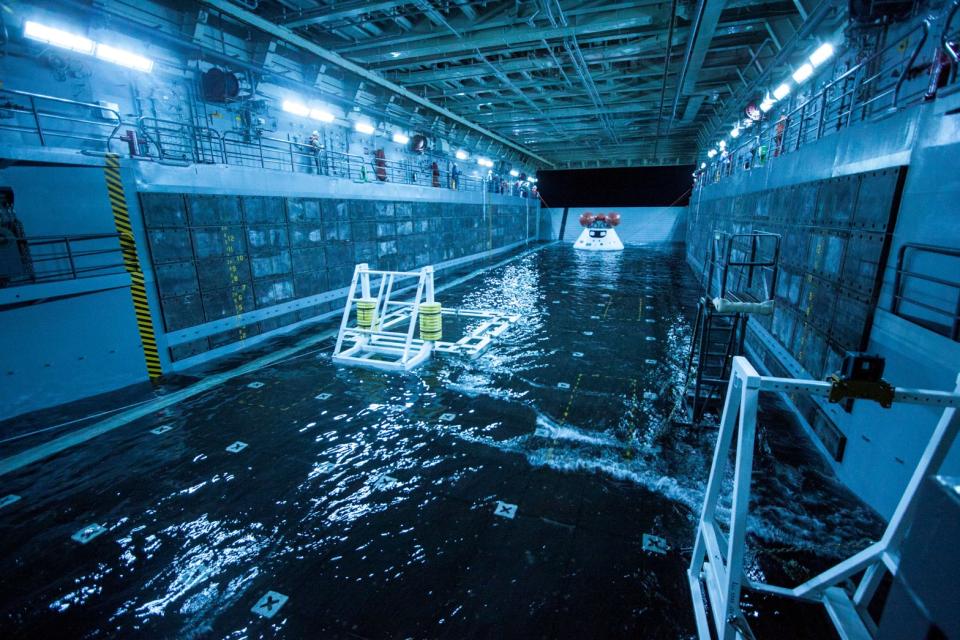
pixel 740 279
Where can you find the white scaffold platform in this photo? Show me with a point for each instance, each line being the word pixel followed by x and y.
pixel 716 571
pixel 383 336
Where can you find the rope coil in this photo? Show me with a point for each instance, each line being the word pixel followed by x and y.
pixel 431 321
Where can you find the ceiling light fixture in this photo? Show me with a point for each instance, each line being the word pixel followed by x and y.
pixel 58 38
pixel 124 58
pixel 321 115
pixel 296 108
pixel 823 53
pixel 804 72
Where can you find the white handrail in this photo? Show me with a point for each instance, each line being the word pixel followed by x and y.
pixel 721 571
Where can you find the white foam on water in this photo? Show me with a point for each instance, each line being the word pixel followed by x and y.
pixel 566 432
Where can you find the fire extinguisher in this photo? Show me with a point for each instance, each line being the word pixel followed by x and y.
pixel 939 73
pixel 130 137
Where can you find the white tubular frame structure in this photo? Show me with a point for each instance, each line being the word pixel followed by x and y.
pixel 381 347
pixel 717 560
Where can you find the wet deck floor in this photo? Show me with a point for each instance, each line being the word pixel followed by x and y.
pixel 374 509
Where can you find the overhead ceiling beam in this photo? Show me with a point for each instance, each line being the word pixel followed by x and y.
pixel 503 38
pixel 705 26
pixel 339 11
pixel 285 34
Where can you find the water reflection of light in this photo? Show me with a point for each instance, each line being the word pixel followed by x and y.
pixel 319 503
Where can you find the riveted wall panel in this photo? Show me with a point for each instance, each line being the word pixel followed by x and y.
pixel 833 241
pixel 218 256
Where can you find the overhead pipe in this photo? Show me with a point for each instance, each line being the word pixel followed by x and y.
pixel 290 37
pixel 666 68
pixel 692 39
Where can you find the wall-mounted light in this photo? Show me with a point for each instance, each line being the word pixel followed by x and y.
pixel 722 145
pixel 484 162
pixel 364 127
pixel 296 108
pixel 124 58
pixel 735 132
pixel 514 173
pixel 804 72
pixel 711 153
pixel 73 42
pixel 823 53
pixel 782 91
pixel 58 38
pixel 321 115
pixel 703 165
pixel 462 155
pixel 401 138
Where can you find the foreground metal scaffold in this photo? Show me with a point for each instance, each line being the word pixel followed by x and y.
pixel 374 340
pixel 716 571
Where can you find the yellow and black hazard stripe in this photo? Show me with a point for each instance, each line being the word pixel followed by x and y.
pixel 128 246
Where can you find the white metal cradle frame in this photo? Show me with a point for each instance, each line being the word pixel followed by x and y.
pixel 717 562
pixel 384 345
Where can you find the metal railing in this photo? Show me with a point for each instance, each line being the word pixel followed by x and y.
pixel 53 258
pixel 94 128
pixel 917 292
pixel 876 86
pixel 52 121
pixel 949 38
pixel 178 142
pixel 173 141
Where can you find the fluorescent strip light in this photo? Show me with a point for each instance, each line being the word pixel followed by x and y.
pixel 804 72
pixel 401 138
pixel 296 108
pixel 462 155
pixel 767 104
pixel 124 58
pixel 58 38
pixel 782 91
pixel 321 115
pixel 821 55
pixel 514 173
pixel 364 127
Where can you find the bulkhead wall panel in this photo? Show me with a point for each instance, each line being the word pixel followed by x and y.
pixel 835 236
pixel 220 256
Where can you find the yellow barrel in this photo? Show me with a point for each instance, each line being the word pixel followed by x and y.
pixel 431 321
pixel 365 312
